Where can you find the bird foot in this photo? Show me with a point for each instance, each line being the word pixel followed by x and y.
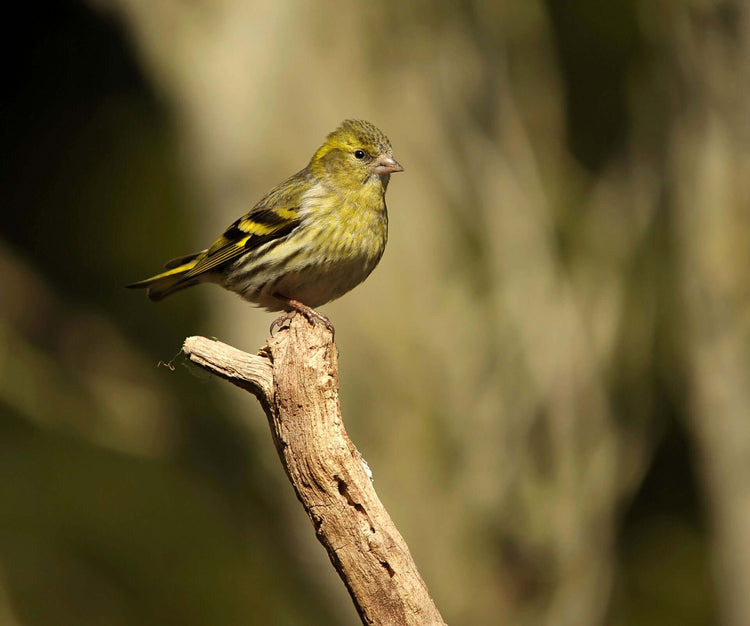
pixel 280 321
pixel 310 314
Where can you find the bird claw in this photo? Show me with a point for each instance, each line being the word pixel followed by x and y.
pixel 310 314
pixel 280 321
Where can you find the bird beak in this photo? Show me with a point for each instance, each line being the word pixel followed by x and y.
pixel 387 165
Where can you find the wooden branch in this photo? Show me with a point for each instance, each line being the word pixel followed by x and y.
pixel 295 378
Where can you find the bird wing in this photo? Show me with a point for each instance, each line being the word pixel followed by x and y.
pixel 273 218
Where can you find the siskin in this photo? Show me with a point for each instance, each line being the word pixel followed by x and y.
pixel 309 240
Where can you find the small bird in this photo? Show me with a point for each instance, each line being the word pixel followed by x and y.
pixel 309 240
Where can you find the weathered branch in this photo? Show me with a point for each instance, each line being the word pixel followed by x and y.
pixel 295 378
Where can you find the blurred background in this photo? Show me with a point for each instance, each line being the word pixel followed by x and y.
pixel 549 372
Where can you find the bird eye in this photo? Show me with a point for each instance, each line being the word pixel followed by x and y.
pixel 359 154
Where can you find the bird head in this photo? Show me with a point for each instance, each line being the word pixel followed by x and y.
pixel 356 153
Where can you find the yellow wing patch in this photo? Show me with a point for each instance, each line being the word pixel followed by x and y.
pixel 258 227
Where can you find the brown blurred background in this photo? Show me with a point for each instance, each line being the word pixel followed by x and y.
pixel 549 372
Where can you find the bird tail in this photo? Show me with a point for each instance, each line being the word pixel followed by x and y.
pixel 166 283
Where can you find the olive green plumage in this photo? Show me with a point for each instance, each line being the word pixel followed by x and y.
pixel 310 239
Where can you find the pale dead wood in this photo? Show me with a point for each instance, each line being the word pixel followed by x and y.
pixel 295 378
